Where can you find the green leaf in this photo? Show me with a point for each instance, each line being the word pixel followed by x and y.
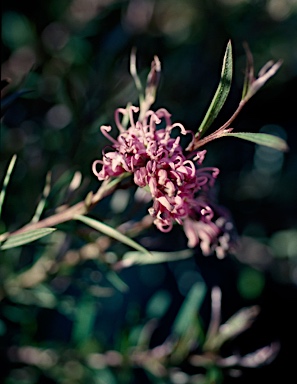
pixel 40 296
pixel 61 184
pixel 85 315
pixel 25 238
pixel 221 92
pixel 189 309
pixel 6 180
pixel 249 71
pixel 116 281
pixel 187 328
pixel 131 258
pixel 42 202
pixel 111 232
pixel 271 141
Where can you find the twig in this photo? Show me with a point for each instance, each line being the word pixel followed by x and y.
pixel 68 214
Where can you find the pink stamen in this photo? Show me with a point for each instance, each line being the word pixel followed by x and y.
pixel 119 125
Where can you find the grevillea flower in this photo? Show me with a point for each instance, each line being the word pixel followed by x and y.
pixel 178 185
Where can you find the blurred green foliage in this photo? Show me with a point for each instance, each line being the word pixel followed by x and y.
pixel 65 316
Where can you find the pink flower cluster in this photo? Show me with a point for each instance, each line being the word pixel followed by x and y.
pixel 177 184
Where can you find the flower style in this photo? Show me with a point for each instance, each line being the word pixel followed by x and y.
pixel 178 185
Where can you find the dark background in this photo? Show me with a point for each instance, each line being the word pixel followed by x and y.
pixel 73 56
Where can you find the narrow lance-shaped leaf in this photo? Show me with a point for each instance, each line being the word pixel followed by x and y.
pixel 221 92
pixel 187 328
pixel 6 180
pixel 111 232
pixel 249 71
pixel 215 320
pixel 189 309
pixel 237 324
pixel 133 257
pixel 265 139
pixel 251 84
pixel 42 202
pixel 85 315
pixel 265 74
pixel 25 238
pixel 116 281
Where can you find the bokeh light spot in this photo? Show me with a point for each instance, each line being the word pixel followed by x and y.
pixel 250 283
pixel 59 116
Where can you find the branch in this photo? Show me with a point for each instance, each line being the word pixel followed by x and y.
pixel 63 214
